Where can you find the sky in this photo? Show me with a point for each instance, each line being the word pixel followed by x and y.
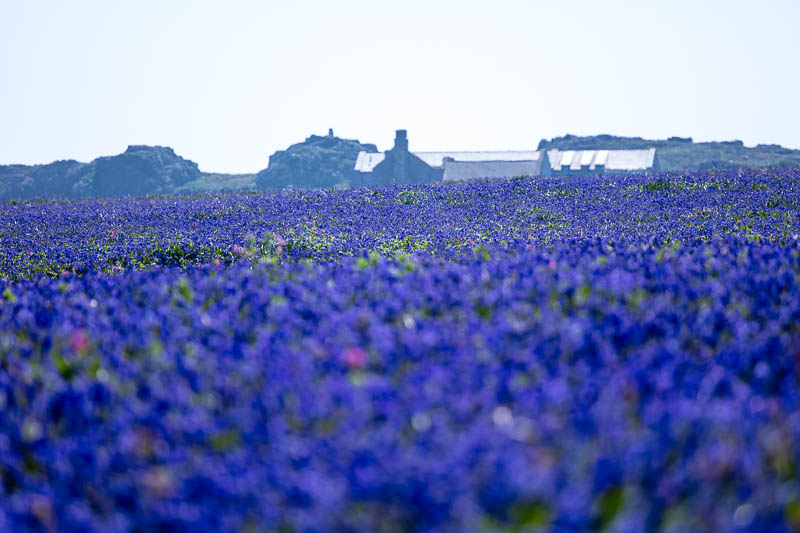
pixel 226 84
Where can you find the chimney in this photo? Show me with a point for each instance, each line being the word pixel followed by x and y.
pixel 401 141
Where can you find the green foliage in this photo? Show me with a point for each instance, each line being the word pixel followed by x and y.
pixel 312 242
pixel 8 296
pixel 185 292
pixel 411 197
pixel 607 506
pixel 218 182
pixel 524 516
pixel 407 244
pixel 270 249
pixel 372 259
pixel 481 252
pixel 792 512
pixel 67 369
pixel 534 514
pixel 225 440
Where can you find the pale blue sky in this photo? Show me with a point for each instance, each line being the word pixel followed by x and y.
pixel 228 83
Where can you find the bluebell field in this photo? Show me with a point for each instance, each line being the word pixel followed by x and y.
pixel 616 353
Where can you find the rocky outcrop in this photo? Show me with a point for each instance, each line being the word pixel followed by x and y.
pixel 142 170
pixel 60 178
pixel 139 170
pixel 318 162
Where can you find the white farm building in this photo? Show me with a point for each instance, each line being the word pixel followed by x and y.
pixel 399 165
pixel 601 161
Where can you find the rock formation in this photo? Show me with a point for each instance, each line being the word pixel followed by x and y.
pixel 317 162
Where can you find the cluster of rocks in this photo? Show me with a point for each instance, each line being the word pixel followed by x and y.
pixel 317 162
pixel 139 170
pixel 142 170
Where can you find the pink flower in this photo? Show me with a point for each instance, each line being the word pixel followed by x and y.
pixel 355 357
pixel 79 341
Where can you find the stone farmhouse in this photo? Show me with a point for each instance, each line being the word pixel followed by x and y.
pixel 399 165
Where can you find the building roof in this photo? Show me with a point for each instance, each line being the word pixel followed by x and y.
pixel 436 159
pixel 611 159
pixel 366 161
pixel 470 170
pixel 630 159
